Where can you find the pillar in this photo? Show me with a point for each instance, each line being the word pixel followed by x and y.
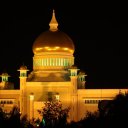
pixel 31 106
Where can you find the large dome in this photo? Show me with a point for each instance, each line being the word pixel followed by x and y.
pixel 53 41
pixel 53 49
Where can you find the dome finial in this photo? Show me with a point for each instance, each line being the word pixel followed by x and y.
pixel 53 23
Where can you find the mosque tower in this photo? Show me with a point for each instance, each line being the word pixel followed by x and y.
pixel 23 79
pixel 54 73
pixel 53 55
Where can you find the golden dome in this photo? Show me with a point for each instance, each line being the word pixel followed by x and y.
pixel 23 67
pixel 5 74
pixel 73 67
pixel 53 40
pixel 50 41
pixel 82 73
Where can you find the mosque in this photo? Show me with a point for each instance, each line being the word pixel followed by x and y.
pixel 54 77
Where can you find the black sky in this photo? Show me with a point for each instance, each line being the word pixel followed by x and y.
pixel 99 31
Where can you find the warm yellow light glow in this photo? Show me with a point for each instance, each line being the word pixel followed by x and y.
pixel 31 97
pixel 57 47
pixel 53 48
pixel 46 47
pixel 38 49
pixel 49 49
pixel 57 97
pixel 65 48
pixel 71 51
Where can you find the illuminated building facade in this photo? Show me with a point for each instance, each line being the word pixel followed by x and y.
pixel 54 77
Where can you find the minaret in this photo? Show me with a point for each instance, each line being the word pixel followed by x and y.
pixel 53 23
pixel 5 77
pixel 73 76
pixel 4 81
pixel 81 80
pixel 23 76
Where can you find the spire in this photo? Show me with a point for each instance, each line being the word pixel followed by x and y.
pixel 53 23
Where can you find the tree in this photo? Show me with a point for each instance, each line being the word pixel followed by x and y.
pixel 14 118
pixel 111 113
pixel 2 118
pixel 89 121
pixel 54 116
pixel 115 112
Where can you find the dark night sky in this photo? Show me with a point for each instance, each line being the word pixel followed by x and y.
pixel 99 31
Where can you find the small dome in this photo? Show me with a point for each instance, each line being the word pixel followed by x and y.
pixel 50 41
pixel 23 67
pixel 82 73
pixel 5 74
pixel 73 67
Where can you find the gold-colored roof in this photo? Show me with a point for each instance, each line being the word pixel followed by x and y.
pixel 23 67
pixel 82 73
pixel 53 41
pixel 5 74
pixel 73 67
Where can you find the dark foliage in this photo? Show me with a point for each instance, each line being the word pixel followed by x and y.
pixel 54 115
pixel 111 114
pixel 12 119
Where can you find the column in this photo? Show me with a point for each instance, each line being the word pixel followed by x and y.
pixel 31 112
